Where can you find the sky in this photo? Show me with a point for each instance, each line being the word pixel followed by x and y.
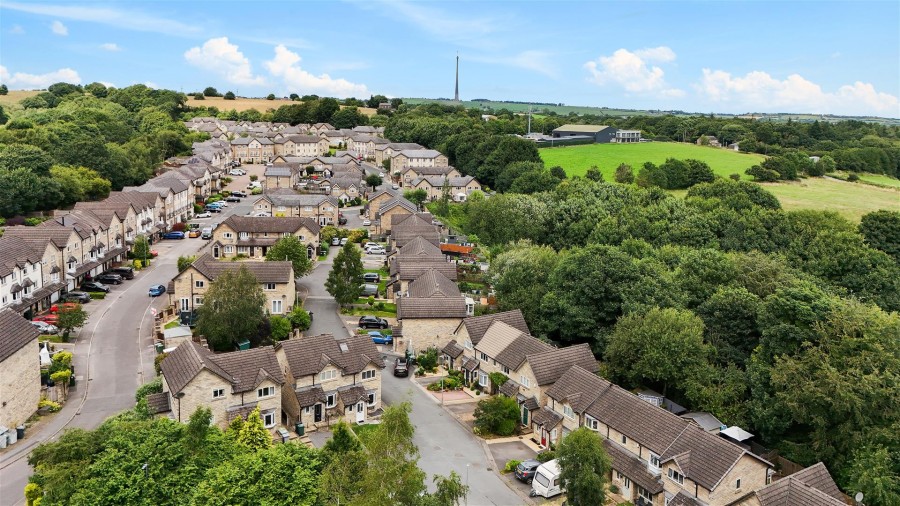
pixel 825 57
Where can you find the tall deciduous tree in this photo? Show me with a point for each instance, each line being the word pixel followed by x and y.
pixel 291 249
pixel 373 180
pixel 583 467
pixel 232 309
pixel 417 197
pixel 624 174
pixel 881 229
pixel 443 204
pixel 392 476
pixel 69 318
pixel 663 345
pixel 343 281
pixel 141 248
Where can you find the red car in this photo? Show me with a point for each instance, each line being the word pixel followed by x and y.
pixel 66 305
pixel 47 318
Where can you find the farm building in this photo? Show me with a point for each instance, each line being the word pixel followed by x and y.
pixel 600 133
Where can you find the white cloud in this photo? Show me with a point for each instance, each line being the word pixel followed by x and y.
pixel 59 29
pixel 286 65
pixel 17 30
pixel 224 58
pixel 632 71
pixel 759 91
pixel 23 81
pixel 110 46
pixel 118 18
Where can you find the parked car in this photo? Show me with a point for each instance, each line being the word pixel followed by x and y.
pixel 336 241
pixel 204 214
pixel 212 209
pixel 262 214
pixel 221 203
pixel 370 244
pixel 216 203
pixel 45 328
pixel 65 305
pixel 343 241
pixel 395 186
pixel 238 194
pixel 46 318
pixel 124 271
pixel 232 198
pixel 367 223
pixel 401 367
pixel 157 290
pixel 379 338
pixel 109 279
pixel 371 277
pixel 379 250
pixel 94 286
pixel 237 172
pixel 254 184
pixel 373 322
pixel 526 469
pixel 194 233
pixel 342 220
pixel 369 290
pixel 76 296
pixel 173 235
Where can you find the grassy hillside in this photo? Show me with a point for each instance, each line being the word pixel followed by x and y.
pixel 576 160
pixel 244 104
pixel 852 200
pixel 14 96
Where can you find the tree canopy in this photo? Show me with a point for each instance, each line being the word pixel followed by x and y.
pixel 343 281
pixel 232 310
pixel 290 248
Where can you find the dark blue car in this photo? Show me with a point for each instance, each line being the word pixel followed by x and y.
pixel 157 290
pixel 173 235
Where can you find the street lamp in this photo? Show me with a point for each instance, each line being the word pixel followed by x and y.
pixel 467 485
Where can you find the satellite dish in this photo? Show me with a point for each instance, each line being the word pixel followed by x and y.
pixel 858 497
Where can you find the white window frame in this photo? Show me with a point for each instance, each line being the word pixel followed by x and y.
pixel 624 440
pixel 327 375
pixel 653 461
pixel 371 398
pixel 568 411
pixel 198 301
pixel 229 249
pixel 367 375
pixel 218 393
pixel 591 423
pixel 482 356
pixel 330 400
pixel 262 393
pixel 269 286
pixel 228 235
pixel 524 381
pixel 676 476
pixel 737 484
pixel 483 379
pixel 277 307
pixel 270 415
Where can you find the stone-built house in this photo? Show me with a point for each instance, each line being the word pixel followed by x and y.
pixel 503 349
pixel 21 275
pixel 63 252
pixel 363 145
pixel 416 249
pixel 188 288
pixel 254 235
pixel 417 158
pixel 252 149
pixel 178 200
pixel 386 151
pixel 334 137
pixel 471 330
pixel 812 486
pixel 394 207
pixel 323 209
pixel 657 457
pixel 301 145
pixel 329 379
pixel 229 384
pixel 346 188
pixel 318 128
pixel 430 310
pixel 460 187
pixel 410 174
pixel 377 199
pixel 20 369
pixel 406 227
pixel 280 175
pixel 404 272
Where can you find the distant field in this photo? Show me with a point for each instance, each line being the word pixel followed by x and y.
pixel 576 160
pixel 852 200
pixel 562 110
pixel 244 104
pixel 15 96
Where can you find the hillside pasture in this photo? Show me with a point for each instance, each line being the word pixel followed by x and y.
pixel 576 160
pixel 244 104
pixel 14 96
pixel 852 200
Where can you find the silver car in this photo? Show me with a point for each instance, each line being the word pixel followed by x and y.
pixel 46 328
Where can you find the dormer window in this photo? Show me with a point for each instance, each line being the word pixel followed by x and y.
pixel 676 476
pixel 567 410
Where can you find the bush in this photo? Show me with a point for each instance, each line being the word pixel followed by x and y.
pixel 300 318
pixel 511 465
pixel 256 191
pixel 852 177
pixel 546 456
pixel 33 222
pixel 253 177
pixel 497 415
pixel 614 489
pixel 179 227
pixel 498 379
pixel 51 406
pixel 153 387
pixel 97 295
pixel 371 300
pixel 157 361
pixel 379 306
pixel 735 177
pixel 427 360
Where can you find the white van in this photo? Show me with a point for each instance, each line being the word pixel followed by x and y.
pixel 546 481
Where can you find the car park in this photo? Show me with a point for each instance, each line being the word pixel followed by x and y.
pixel 124 271
pixel 237 172
pixel 173 235
pixel 371 277
pixel 370 245
pixel 401 367
pixel 45 328
pixel 109 279
pixel 94 286
pixel 52 319
pixel 204 214
pixel 368 290
pixel 262 214
pixel 77 296
pixel 157 290
pixel 373 322
pixel 526 469
pixel 379 338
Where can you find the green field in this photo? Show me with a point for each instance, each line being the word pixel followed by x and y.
pixel 852 200
pixel 576 160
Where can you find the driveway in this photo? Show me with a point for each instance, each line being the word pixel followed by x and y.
pixel 512 450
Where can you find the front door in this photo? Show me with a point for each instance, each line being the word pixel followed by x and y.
pixel 317 413
pixel 524 417
pixel 543 437
pixel 216 252
pixel 360 412
pixel 185 304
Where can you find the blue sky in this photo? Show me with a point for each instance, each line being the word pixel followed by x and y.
pixel 788 56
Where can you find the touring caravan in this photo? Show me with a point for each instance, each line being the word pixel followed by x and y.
pixel 546 481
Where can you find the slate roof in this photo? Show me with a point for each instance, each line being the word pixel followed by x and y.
pixel 420 153
pixel 16 252
pixel 452 349
pixel 278 171
pixel 40 236
pixel 309 355
pixel 431 307
pixel 263 271
pixel 546 418
pixel 244 369
pixel 812 486
pixel 309 396
pixel 469 364
pixel 15 333
pixel 706 421
pixel 409 270
pixel 429 171
pixel 159 403
pixel 548 366
pixel 291 198
pixel 270 224
pixel 433 283
pixel 633 467
pixel 417 247
pixel 438 181
pixel 478 325
pixel 510 388
pixel 579 388
pixel 514 355
pixel 497 338
pixel 352 394
pixel 397 202
pixel 683 499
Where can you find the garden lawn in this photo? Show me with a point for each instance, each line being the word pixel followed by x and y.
pixel 852 200
pixel 576 160
pixel 363 432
